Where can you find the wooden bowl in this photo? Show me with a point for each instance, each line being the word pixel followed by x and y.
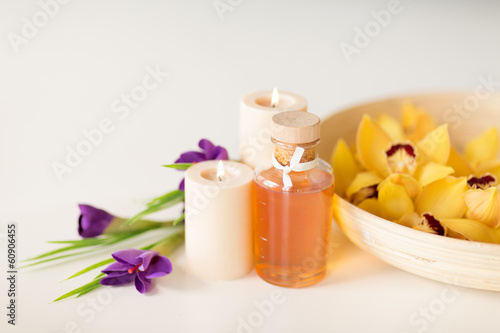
pixel 459 262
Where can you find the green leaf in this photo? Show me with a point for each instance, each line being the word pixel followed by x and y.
pixel 109 240
pixel 94 284
pixel 160 203
pixel 179 220
pixel 179 166
pixel 52 259
pixel 166 198
pixel 91 267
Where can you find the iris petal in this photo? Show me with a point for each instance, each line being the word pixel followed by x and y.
pixel 482 148
pixel 483 206
pixel 473 230
pixel 443 198
pixel 344 165
pixel 117 280
pixel 371 143
pixel 130 256
pixel 161 267
pixel 142 284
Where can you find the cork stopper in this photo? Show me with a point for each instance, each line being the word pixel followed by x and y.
pixel 295 127
pixel 292 129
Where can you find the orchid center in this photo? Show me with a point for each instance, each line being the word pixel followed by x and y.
pixel 430 224
pixel 364 193
pixel 401 158
pixel 484 182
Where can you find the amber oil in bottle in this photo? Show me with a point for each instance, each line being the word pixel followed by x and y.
pixel 292 224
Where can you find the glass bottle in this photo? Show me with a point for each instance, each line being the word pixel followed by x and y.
pixel 291 225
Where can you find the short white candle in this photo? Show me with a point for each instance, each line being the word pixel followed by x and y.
pixel 218 220
pixel 256 112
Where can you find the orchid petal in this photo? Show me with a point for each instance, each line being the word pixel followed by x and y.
pixel 443 198
pixel 362 180
pixel 394 201
pixel 391 126
pixel 344 166
pixel 458 163
pixel 410 220
pixel 482 148
pixel 435 146
pixel 372 206
pixel 492 167
pixel 428 223
pixel 416 122
pixel 473 230
pixel 411 185
pixel 433 171
pixel 371 143
pixel 483 206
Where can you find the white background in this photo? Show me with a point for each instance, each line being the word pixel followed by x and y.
pixel 64 78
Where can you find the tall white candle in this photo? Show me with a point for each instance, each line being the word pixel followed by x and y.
pixel 256 112
pixel 218 220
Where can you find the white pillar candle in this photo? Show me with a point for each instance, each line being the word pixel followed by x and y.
pixel 218 220
pixel 256 112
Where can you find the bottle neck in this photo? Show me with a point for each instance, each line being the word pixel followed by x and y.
pixel 284 151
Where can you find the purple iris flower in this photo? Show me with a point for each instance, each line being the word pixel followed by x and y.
pixel 138 265
pixel 93 221
pixel 209 152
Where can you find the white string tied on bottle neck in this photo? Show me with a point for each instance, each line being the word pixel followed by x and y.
pixel 295 166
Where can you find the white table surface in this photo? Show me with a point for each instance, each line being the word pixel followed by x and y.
pixel 65 77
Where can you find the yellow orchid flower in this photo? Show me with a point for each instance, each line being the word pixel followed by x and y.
pixel 431 172
pixel 362 187
pixel 345 167
pixel 458 163
pixel 473 230
pixel 483 148
pixel 443 198
pixel 491 167
pixel 371 143
pixel 483 200
pixel 411 185
pixel 416 122
pixel 391 126
pixel 425 222
pixel 371 205
pixel 435 146
pixel 402 158
pixel 394 201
